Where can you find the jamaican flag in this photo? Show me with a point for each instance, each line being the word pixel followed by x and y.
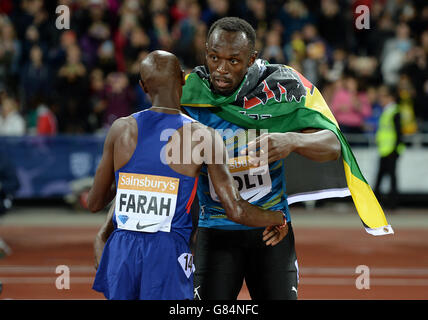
pixel 279 99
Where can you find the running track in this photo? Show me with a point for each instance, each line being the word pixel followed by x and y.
pixel 329 247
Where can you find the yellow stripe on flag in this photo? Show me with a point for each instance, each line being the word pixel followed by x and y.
pixel 316 102
pixel 200 105
pixel 365 201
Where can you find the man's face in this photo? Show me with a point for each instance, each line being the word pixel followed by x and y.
pixel 383 97
pixel 228 57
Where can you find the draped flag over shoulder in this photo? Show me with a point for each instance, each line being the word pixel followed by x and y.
pixel 279 99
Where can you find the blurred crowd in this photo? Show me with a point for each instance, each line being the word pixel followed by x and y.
pixel 79 80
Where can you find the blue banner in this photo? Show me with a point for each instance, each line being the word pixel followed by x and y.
pixel 47 165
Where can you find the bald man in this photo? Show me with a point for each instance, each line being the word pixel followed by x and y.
pixel 147 169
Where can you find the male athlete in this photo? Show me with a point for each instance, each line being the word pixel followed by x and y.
pixel 226 251
pixel 147 256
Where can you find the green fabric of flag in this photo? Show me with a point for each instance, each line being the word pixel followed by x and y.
pixel 279 99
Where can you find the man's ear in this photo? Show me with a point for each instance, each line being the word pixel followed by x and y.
pixel 253 58
pixel 142 86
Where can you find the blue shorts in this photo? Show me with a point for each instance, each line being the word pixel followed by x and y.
pixel 145 266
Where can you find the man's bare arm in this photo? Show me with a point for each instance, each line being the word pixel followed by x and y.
pixel 103 190
pixel 316 145
pixel 102 236
pixel 237 209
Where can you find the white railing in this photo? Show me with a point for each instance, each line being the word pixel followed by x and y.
pixel 418 140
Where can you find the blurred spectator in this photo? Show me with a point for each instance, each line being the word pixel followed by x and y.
pixel 45 27
pixel 36 78
pixel 256 16
pixel 97 104
pixel 23 16
pixel 272 52
pixel 372 122
pixel 97 32
pixel 416 70
pixel 338 66
pixel 424 41
pixel 131 7
pixel 46 121
pixel 73 67
pixel 364 68
pixel 142 99
pixel 295 50
pixel 184 33
pixel 179 10
pixel 349 106
pixel 138 41
pixel 405 100
pixel 32 38
pixel 128 23
pixel 105 58
pixel 160 35
pixel 420 23
pixel 57 54
pixel 215 10
pixel 72 88
pixel 158 6
pixel 383 29
pixel 319 39
pixel 402 11
pixel 316 53
pixel 196 56
pixel 389 143
pixel 11 122
pixel 40 118
pixel 118 97
pixel 394 52
pixel 330 18
pixel 294 15
pixel 10 52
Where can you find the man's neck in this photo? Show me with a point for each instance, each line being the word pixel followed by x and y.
pixel 165 109
pixel 165 105
pixel 165 101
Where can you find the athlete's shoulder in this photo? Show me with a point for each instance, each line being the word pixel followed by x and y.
pixel 123 126
pixel 123 123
